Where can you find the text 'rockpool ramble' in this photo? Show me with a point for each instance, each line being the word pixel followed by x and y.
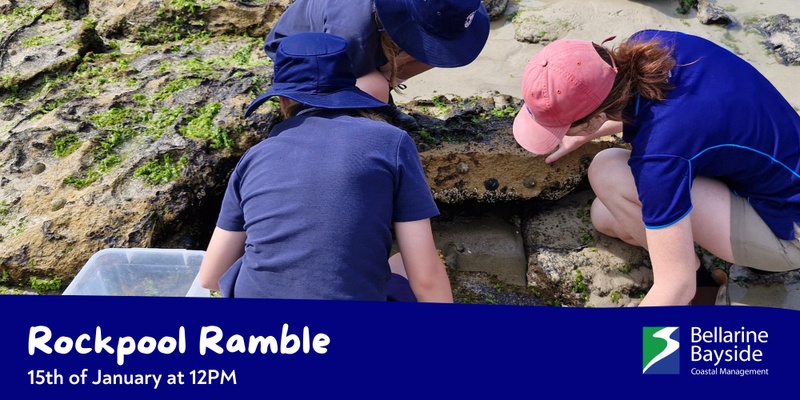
pixel 212 338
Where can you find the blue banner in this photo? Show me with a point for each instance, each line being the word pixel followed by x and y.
pixel 165 347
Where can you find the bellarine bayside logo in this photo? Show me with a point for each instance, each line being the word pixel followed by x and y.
pixel 660 353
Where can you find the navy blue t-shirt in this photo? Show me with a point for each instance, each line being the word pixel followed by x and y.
pixel 317 200
pixel 351 19
pixel 723 120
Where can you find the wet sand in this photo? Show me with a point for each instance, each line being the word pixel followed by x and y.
pixel 499 67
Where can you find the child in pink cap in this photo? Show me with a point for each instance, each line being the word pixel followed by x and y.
pixel 714 159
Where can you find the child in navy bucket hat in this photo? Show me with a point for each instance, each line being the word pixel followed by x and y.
pixel 312 211
pixel 316 74
pixel 390 41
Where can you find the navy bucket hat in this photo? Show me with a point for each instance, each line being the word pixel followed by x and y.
pixel 314 69
pixel 440 33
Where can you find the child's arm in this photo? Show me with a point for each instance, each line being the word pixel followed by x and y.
pixel 224 248
pixel 571 142
pixel 426 272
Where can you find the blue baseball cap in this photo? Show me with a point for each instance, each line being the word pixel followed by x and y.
pixel 313 68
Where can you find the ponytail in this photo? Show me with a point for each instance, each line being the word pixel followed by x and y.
pixel 390 50
pixel 643 69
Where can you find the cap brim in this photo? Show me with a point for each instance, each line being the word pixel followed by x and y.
pixel 426 48
pixel 537 139
pixel 341 99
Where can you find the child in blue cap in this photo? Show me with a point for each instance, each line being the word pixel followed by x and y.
pixel 310 212
pixel 390 41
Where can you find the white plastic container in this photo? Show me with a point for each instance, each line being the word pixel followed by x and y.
pixel 140 272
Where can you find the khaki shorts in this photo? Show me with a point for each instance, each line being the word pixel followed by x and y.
pixel 755 245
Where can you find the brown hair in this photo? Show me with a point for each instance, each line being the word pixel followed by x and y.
pixel 290 109
pixel 642 69
pixel 294 107
pixel 390 50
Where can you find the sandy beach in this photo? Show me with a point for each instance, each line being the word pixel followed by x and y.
pixel 499 67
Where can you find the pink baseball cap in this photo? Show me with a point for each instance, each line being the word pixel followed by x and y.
pixel 562 83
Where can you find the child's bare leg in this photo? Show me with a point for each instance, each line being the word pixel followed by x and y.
pixel 604 222
pixel 616 211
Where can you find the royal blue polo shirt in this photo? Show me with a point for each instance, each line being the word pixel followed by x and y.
pixel 723 120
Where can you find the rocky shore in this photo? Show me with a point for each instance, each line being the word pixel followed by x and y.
pixel 120 122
